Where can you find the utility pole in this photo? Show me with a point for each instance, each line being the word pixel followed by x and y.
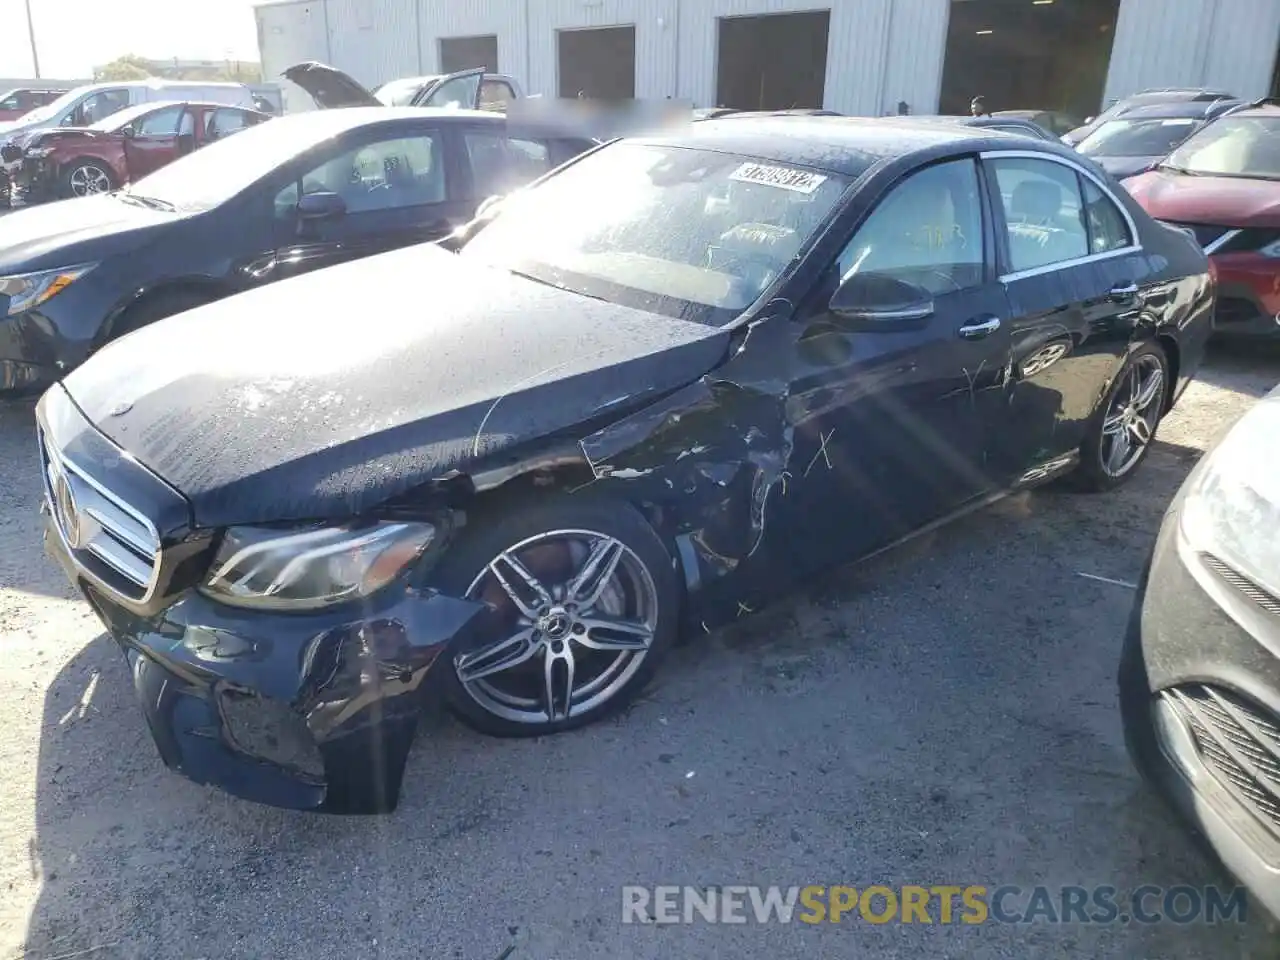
pixel 31 32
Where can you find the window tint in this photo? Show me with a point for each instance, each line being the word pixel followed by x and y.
pixel 500 164
pixel 1042 209
pixel 1107 227
pixel 496 95
pixel 161 123
pixel 927 231
pixel 405 172
pixel 223 123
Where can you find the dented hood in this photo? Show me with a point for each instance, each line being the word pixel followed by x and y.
pixel 323 396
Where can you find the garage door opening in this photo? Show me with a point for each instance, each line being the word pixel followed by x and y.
pixel 1028 54
pixel 598 63
pixel 774 62
pixel 467 53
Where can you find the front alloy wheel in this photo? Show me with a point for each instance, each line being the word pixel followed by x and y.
pixel 88 179
pixel 579 613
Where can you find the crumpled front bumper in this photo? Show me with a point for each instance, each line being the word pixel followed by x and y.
pixel 312 712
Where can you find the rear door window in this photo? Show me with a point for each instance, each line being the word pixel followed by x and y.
pixel 500 164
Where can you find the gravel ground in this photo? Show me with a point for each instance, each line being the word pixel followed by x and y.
pixel 942 715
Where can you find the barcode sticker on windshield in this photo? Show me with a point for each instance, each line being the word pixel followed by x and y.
pixel 787 178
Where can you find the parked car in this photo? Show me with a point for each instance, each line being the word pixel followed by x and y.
pixel 22 100
pixel 1200 676
pixel 69 162
pixel 1144 99
pixel 1223 186
pixel 1023 128
pixel 278 199
pixel 474 89
pixel 85 106
pixel 677 374
pixel 1136 142
pixel 1054 121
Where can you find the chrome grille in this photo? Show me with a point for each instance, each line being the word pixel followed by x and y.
pixel 1239 744
pixel 1242 584
pixel 107 538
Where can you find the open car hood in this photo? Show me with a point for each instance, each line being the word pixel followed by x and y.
pixel 329 87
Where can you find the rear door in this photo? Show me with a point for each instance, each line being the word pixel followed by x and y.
pixel 497 163
pixel 1076 280
pixel 155 140
pixel 399 184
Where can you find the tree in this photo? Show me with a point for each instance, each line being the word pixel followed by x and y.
pixel 129 67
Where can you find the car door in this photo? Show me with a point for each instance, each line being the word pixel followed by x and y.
pixel 154 140
pixel 457 91
pixel 891 408
pixel 497 163
pixel 386 187
pixel 1075 279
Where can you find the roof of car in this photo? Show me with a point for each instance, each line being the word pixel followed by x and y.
pixel 1258 110
pixel 1178 110
pixel 842 145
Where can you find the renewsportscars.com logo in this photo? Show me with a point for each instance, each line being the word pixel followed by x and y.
pixel 940 904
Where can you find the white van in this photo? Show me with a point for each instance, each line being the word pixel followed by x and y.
pixel 87 105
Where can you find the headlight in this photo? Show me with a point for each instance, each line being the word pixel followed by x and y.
pixel 305 569
pixel 1272 249
pixel 1232 509
pixel 32 289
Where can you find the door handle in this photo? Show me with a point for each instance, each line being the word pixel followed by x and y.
pixel 979 328
pixel 1123 292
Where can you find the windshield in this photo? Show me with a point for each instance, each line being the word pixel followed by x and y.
pixel 118 120
pixel 1137 138
pixel 674 230
pixel 217 172
pixel 1232 147
pixel 40 114
pixel 400 93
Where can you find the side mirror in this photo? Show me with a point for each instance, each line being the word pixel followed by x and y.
pixel 880 298
pixel 321 206
pixel 129 132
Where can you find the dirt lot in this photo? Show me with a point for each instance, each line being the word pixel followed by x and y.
pixel 942 715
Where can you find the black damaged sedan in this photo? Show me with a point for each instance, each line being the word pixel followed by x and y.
pixel 653 390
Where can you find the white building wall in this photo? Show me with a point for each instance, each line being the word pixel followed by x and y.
pixel 289 33
pixel 374 40
pixel 657 27
pixel 1229 44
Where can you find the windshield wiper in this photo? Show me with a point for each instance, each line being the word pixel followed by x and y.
pixel 153 202
pixel 1177 169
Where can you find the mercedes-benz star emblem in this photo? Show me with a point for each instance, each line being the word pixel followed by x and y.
pixel 66 511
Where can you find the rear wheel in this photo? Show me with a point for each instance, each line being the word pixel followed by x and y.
pixel 1124 427
pixel 582 598
pixel 85 178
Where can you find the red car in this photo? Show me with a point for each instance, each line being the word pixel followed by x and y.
pixel 1223 185
pixel 67 162
pixel 22 100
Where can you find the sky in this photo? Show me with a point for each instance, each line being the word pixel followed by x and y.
pixel 74 36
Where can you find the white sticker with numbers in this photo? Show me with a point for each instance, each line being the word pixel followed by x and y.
pixel 785 178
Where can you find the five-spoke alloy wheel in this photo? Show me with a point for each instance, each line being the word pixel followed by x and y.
pixel 1126 425
pixel 579 613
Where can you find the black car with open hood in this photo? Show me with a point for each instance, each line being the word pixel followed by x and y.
pixel 331 88
pixel 649 392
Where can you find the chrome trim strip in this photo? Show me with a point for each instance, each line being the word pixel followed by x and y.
pixel 1222 241
pixel 1132 224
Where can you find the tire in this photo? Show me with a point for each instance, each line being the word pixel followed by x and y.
pixel 86 177
pixel 1099 470
pixel 554 539
pixel 156 307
